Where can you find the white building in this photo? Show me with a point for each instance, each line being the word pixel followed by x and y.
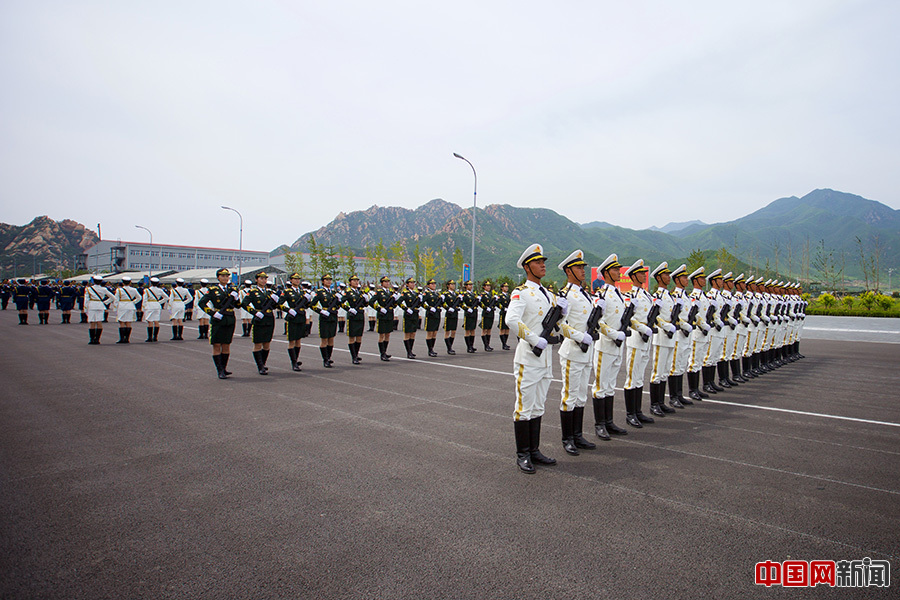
pixel 108 256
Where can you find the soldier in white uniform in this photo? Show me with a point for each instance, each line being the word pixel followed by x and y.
pixel 126 299
pixel 637 345
pixel 700 335
pixel 759 303
pixel 731 320
pixel 96 300
pixel 202 317
pixel 681 354
pixel 607 355
pixel 713 356
pixel 742 331
pixel 178 300
pixel 532 364
pixel 154 300
pixel 246 317
pixel 663 340
pixel 575 354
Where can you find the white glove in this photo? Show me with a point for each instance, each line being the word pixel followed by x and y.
pixel 680 301
pixel 645 330
pixel 274 297
pixel 325 313
pixel 619 335
pixel 705 327
pixel 601 302
pixel 218 316
pixel 235 295
pixel 687 328
pixel 586 338
pixel 432 309
pixel 669 327
pixel 352 311
pixel 563 304
pixel 409 311
pixel 259 315
pixel 541 343
pixel 396 296
pixel 469 310
pixel 292 312
pixel 382 311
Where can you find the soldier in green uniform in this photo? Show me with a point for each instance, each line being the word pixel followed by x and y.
pixel 219 302
pixel 451 301
pixel 260 302
pixel 384 302
pixel 502 305
pixel 355 302
pixel 487 302
pixel 409 302
pixel 470 311
pixel 326 302
pixel 294 301
pixel 432 302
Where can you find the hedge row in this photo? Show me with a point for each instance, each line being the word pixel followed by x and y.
pixel 837 311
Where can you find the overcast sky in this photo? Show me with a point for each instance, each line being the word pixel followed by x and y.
pixel 638 113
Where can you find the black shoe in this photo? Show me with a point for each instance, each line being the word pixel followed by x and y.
pixel 656 411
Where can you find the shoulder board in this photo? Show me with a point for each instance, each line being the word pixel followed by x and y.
pixel 521 287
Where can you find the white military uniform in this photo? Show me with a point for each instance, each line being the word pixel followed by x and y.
pixel 637 350
pixel 574 362
pixel 96 300
pixel 178 299
pixel 744 323
pixel 126 303
pixel 607 356
pixel 681 355
pixel 664 340
pixel 717 333
pixel 700 335
pixel 201 291
pixel 154 300
pixel 528 305
pixel 728 351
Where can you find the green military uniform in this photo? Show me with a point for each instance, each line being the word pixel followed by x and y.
pixel 216 300
pixel 326 300
pixel 258 300
pixel 294 299
pixel 433 302
pixel 384 301
pixel 356 300
pixel 409 301
pixel 502 301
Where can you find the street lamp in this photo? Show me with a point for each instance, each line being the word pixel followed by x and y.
pixel 151 247
pixel 474 206
pixel 240 241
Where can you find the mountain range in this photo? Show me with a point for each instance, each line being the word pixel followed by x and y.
pixel 43 245
pixel 788 233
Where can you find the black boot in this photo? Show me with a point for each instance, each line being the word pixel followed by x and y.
pixel 174 333
pixel 220 368
pixel 353 353
pixel 430 343
pixel 523 446
pixel 577 432
pixel 224 358
pixel 371 324
pixel 708 377
pixel 181 332
pixel 83 318
pixel 724 380
pixel 486 340
pixel 449 342
pixel 265 359
pixel 568 437
pixel 537 456
pixel 736 376
pixel 329 350
pixel 358 359
pixel 630 409
pixel 694 386
pixel 149 334
pixel 383 346
pixel 503 339
pixel 292 353
pixel 674 391
pixel 661 399
pixel 637 400
pixel 128 335
pixel 341 326
pixel 655 406
pixel 611 427
pixel 600 419
pixel 323 350
pixel 93 337
pixel 121 335
pixel 260 363
pixel 156 334
pixel 408 344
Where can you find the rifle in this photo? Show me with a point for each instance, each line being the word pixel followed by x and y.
pixel 738 308
pixel 676 312
pixel 651 321
pixel 710 314
pixel 692 314
pixel 593 322
pixel 625 323
pixel 302 302
pixel 547 326
pixel 268 305
pixel 457 301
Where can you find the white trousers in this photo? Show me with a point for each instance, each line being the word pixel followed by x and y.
pixel 576 378
pixel 681 356
pixel 699 348
pixel 663 357
pixel 532 384
pixel 606 370
pixel 636 360
pixel 714 352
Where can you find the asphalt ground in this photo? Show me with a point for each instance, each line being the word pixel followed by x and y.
pixel 132 472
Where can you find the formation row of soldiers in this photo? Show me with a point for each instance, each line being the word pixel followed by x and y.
pixel 739 329
pixel 260 302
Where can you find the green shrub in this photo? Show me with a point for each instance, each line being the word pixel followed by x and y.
pixel 827 300
pixel 867 299
pixel 884 302
pixel 847 301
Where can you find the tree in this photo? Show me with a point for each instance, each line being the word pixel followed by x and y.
pixel 349 263
pixel 294 263
pixel 824 262
pixel 397 255
pixel 695 260
pixel 458 261
pixel 726 260
pixel 417 262
pixel 315 264
pixel 382 265
pixel 429 263
pixel 369 270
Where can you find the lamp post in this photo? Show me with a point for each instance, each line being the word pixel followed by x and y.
pixel 151 248
pixel 240 242
pixel 474 206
